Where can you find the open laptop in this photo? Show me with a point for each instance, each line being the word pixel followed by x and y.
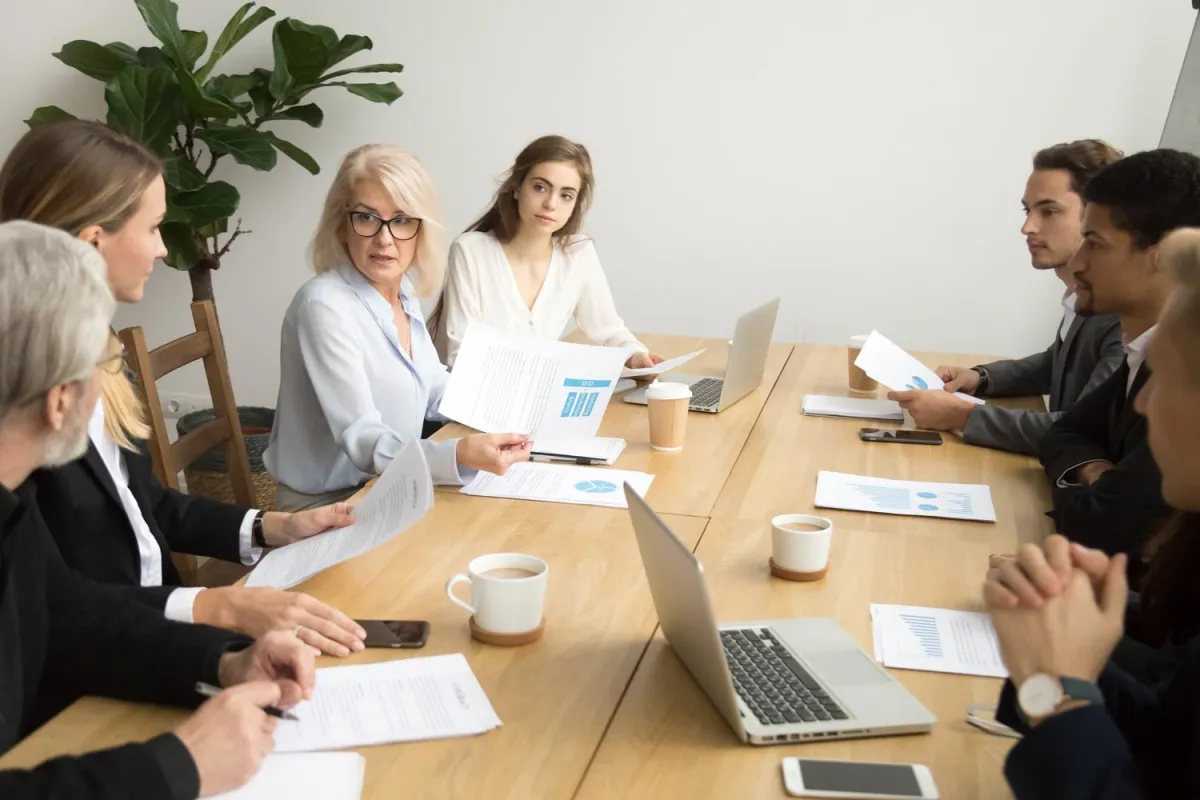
pixel 743 373
pixel 774 681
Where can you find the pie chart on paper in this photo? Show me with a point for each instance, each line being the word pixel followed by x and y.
pixel 596 487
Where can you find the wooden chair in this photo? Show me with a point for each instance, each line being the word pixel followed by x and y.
pixel 168 459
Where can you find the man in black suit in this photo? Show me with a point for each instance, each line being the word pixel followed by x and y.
pixel 1105 482
pixel 60 630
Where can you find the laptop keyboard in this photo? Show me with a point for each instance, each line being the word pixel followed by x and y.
pixel 706 393
pixel 777 689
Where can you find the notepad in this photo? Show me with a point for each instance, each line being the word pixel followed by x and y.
pixel 595 449
pixel 559 483
pixel 936 640
pixel 910 498
pixel 819 405
pixel 313 776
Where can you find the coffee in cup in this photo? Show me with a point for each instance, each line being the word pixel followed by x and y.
pixel 667 404
pixel 508 597
pixel 860 382
pixel 800 546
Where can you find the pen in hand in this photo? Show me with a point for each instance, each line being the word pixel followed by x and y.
pixel 208 690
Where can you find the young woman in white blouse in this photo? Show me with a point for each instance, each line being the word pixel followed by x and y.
pixel 359 372
pixel 524 266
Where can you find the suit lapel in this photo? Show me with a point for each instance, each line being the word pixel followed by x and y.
pixel 1128 415
pixel 1062 358
pixel 95 463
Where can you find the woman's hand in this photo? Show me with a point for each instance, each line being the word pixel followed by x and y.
pixel 643 360
pixel 257 611
pixel 493 452
pixel 280 528
pixel 1036 574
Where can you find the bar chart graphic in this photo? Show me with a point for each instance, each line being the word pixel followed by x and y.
pixel 924 629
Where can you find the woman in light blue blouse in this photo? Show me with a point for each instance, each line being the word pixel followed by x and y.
pixel 359 372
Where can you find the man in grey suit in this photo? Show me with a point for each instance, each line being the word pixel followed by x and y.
pixel 1086 349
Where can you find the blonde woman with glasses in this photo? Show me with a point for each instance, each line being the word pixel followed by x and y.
pixel 359 372
pixel 111 518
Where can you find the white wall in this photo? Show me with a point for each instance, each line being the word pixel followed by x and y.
pixel 864 159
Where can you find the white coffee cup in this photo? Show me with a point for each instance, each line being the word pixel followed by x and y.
pixel 667 406
pixel 508 592
pixel 800 542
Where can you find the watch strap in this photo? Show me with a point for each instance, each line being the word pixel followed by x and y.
pixel 258 536
pixel 1079 689
pixel 985 382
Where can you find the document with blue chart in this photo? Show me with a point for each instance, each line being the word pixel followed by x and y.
pixel 910 498
pixel 936 640
pixel 888 363
pixel 558 483
pixel 511 383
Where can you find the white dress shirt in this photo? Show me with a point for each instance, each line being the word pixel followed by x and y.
pixel 150 555
pixel 350 398
pixel 480 286
pixel 1069 314
pixel 1135 356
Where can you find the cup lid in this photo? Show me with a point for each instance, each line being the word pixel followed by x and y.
pixel 859 340
pixel 660 390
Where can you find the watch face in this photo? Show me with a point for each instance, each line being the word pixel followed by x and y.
pixel 1039 695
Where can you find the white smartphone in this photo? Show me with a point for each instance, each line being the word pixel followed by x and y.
pixel 806 777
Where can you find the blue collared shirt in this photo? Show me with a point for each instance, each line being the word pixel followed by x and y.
pixel 350 398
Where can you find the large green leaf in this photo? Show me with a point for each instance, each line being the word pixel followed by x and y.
pixel 364 70
pixel 232 87
pixel 204 206
pixel 182 250
pixel 162 18
pixel 95 60
pixel 152 57
pixel 195 43
pixel 145 103
pixel 124 50
pixel 301 55
pixel 348 46
pixel 182 175
pixel 246 145
pixel 235 30
pixel 309 113
pixel 200 103
pixel 294 153
pixel 47 114
pixel 261 95
pixel 375 92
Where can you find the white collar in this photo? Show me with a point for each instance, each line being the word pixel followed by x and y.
pixel 1138 346
pixel 1069 299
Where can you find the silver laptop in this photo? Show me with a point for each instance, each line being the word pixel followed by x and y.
pixel 775 681
pixel 743 373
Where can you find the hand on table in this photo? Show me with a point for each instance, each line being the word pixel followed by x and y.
pixel 934 409
pixel 280 528
pixel 229 735
pixel 279 657
pixel 493 452
pixel 259 610
pixel 959 379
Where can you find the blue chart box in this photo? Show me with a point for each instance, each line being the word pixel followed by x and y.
pixel 580 402
pixel 569 406
pixel 582 383
pixel 591 403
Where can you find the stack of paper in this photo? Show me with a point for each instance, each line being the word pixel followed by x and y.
pixel 660 368
pixel 887 363
pixel 401 496
pixel 556 483
pixel 594 450
pixel 936 640
pixel 910 498
pixel 392 701
pixel 315 776
pixel 819 405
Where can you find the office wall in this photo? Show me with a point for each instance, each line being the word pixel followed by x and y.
pixel 864 160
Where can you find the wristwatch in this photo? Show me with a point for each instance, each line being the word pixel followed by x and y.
pixel 1041 694
pixel 256 531
pixel 985 382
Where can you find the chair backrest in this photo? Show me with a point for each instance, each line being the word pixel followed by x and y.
pixel 225 428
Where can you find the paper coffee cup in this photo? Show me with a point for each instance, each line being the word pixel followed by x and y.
pixel 800 544
pixel 860 382
pixel 668 410
pixel 508 592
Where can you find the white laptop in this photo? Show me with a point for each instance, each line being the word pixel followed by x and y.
pixel 775 681
pixel 743 373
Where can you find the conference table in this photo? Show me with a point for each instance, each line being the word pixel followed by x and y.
pixel 601 707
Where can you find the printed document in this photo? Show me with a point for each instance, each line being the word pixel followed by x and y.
pixel 936 640
pixel 401 496
pixel 910 498
pixel 557 483
pixel 312 776
pixel 660 368
pixel 819 405
pixel 887 363
pixel 392 701
pixel 511 383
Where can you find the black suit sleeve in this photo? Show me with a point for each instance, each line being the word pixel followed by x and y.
pixel 160 769
pixel 194 524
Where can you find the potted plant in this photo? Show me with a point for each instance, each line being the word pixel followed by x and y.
pixel 171 97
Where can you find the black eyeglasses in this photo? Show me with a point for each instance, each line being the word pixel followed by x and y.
pixel 368 225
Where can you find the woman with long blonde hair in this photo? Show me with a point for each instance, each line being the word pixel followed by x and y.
pixel 111 518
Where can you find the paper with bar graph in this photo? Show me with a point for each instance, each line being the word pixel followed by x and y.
pixel 936 640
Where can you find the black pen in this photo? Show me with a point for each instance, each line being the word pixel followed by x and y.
pixel 208 690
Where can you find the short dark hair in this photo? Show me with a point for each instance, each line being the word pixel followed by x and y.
pixel 1150 194
pixel 1083 159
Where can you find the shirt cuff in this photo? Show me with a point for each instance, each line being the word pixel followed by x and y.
pixel 1063 483
pixel 444 468
pixel 247 552
pixel 180 604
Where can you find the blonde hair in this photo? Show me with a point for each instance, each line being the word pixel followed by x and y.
pixel 408 184
pixel 72 175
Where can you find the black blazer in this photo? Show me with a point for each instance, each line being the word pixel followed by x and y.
pixel 1143 743
pixel 80 505
pixel 1125 506
pixel 61 631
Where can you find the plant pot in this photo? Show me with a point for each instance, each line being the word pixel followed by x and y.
pixel 209 475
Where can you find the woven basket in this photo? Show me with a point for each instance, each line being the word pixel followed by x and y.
pixel 209 474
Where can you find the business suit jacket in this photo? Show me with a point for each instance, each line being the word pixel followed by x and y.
pixel 1142 743
pixel 83 511
pixel 1125 506
pixel 58 629
pixel 1066 370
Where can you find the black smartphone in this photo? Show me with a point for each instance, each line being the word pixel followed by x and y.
pixel 899 437
pixel 395 632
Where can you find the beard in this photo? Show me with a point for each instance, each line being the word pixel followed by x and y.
pixel 70 443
